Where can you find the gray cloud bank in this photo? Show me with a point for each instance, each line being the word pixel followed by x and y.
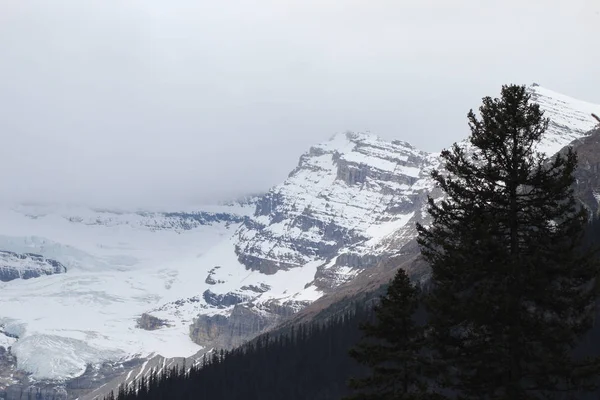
pixel 145 102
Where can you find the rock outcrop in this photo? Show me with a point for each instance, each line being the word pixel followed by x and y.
pixel 223 300
pixel 343 194
pixel 27 266
pixel 149 322
pixel 587 175
pixel 244 322
pixel 209 278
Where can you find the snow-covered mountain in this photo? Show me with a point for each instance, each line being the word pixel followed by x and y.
pixel 173 283
pixel 355 199
pixel 343 208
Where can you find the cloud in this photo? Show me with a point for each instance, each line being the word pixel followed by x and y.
pixel 149 102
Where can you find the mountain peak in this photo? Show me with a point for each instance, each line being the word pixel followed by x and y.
pixel 346 141
pixel 352 144
pixel 570 118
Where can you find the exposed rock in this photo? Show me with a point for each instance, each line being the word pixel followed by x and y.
pixel 16 385
pixel 351 173
pixel 177 304
pixel 285 309
pixel 587 175
pixel 150 322
pixel 26 266
pixel 209 278
pixel 207 328
pixel 8 370
pixel 336 197
pixel 364 282
pixel 245 322
pixel 353 260
pixel 223 300
pixel 257 289
pixel 267 267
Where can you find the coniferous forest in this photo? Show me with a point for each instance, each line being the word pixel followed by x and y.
pixel 310 362
pixel 508 314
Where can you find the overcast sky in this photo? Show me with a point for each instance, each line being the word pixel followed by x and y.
pixel 138 102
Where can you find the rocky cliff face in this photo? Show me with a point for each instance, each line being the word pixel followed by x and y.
pixel 246 321
pixel 587 175
pixel 26 266
pixel 150 323
pixel 343 199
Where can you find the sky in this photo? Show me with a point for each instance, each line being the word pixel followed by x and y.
pixel 151 102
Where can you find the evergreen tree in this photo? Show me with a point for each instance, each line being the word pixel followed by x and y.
pixel 392 347
pixel 512 289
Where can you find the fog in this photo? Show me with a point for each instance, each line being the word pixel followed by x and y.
pixel 153 102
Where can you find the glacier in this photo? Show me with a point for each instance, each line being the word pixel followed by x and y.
pixel 120 264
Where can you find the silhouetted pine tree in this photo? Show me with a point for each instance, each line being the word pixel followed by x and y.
pixel 392 347
pixel 513 292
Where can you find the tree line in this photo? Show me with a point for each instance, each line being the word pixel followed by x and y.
pixel 311 361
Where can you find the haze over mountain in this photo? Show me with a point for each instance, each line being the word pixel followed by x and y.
pixel 144 103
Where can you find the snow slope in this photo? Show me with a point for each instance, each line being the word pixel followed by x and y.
pixel 570 118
